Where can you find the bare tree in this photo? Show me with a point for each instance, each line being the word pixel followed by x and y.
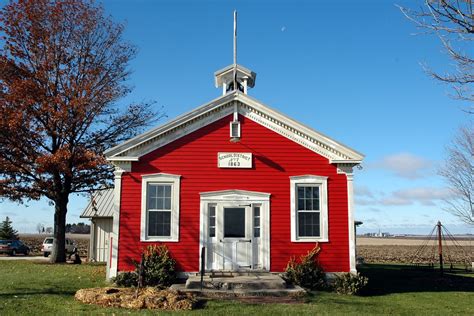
pixel 458 171
pixel 39 228
pixel 453 22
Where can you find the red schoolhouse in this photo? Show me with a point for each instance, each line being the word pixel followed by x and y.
pixel 251 185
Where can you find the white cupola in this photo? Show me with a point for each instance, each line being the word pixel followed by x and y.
pixel 245 78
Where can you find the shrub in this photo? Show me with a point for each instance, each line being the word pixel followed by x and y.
pixel 307 272
pixel 158 266
pixel 348 283
pixel 126 279
pixel 158 269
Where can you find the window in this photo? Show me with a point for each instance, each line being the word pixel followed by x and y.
pixel 212 221
pixel 256 221
pixel 160 207
pixel 309 211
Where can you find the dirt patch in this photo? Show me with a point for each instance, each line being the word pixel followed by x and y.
pixel 35 242
pixel 406 254
pixel 149 298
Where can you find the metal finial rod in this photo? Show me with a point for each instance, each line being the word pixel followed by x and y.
pixel 235 37
pixel 235 50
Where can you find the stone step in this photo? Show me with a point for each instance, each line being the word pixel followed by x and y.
pixel 295 291
pixel 245 282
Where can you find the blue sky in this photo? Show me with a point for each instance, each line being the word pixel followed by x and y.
pixel 349 69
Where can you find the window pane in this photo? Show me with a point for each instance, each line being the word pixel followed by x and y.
pixel 160 203
pixel 234 222
pixel 159 191
pixel 256 222
pixel 212 221
pixel 315 205
pixel 212 232
pixel 308 224
pixel 300 192
pixel 159 223
pixel 308 192
pixel 151 202
pixel 256 232
pixel 212 211
pixel 309 204
pixel 256 211
pixel 315 192
pixel 301 204
pixel 167 191
pixel 167 203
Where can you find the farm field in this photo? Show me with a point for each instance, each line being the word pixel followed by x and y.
pixel 403 250
pixel 30 288
pixel 35 242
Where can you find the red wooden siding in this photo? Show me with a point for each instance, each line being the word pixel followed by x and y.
pixel 276 158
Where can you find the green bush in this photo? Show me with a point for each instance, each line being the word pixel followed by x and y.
pixel 348 283
pixel 158 269
pixel 307 272
pixel 158 266
pixel 126 279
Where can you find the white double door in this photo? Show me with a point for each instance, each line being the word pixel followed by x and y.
pixel 232 242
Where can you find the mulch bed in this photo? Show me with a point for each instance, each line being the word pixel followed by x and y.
pixel 146 298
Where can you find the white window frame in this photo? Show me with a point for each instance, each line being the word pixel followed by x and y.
pixel 164 179
pixel 310 180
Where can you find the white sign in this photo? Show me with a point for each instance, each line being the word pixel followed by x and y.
pixel 234 160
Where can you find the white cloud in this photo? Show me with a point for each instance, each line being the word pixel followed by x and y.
pixel 362 190
pixel 427 196
pixel 393 201
pixel 404 165
pixel 424 193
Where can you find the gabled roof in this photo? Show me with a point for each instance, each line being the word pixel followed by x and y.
pixel 247 106
pixel 104 205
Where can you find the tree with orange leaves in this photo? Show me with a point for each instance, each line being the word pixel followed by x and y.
pixel 63 69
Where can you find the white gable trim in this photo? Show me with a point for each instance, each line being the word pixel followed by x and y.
pixel 138 146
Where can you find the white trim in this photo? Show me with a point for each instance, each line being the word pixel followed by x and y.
pixel 123 158
pixel 251 108
pixel 347 169
pixel 238 196
pixel 161 178
pixel 323 196
pixel 226 195
pixel 112 264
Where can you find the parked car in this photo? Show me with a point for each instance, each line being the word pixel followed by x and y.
pixel 48 246
pixel 14 247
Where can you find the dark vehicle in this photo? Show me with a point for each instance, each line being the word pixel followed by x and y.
pixel 13 247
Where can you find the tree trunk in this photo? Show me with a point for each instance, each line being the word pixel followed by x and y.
pixel 58 254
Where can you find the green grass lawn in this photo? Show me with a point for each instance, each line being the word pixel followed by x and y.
pixel 29 288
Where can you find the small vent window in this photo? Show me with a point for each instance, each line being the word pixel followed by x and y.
pixel 235 129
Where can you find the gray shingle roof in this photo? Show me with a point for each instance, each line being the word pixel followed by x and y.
pixel 104 204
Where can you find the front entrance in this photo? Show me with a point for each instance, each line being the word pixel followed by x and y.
pixel 235 230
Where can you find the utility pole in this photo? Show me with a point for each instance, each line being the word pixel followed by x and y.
pixel 440 247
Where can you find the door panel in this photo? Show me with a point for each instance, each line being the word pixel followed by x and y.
pixel 229 237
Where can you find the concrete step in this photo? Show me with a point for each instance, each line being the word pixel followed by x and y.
pixel 296 292
pixel 240 282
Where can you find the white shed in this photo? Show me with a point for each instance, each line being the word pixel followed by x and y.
pixel 100 211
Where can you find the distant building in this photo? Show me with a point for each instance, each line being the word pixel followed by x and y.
pixel 100 211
